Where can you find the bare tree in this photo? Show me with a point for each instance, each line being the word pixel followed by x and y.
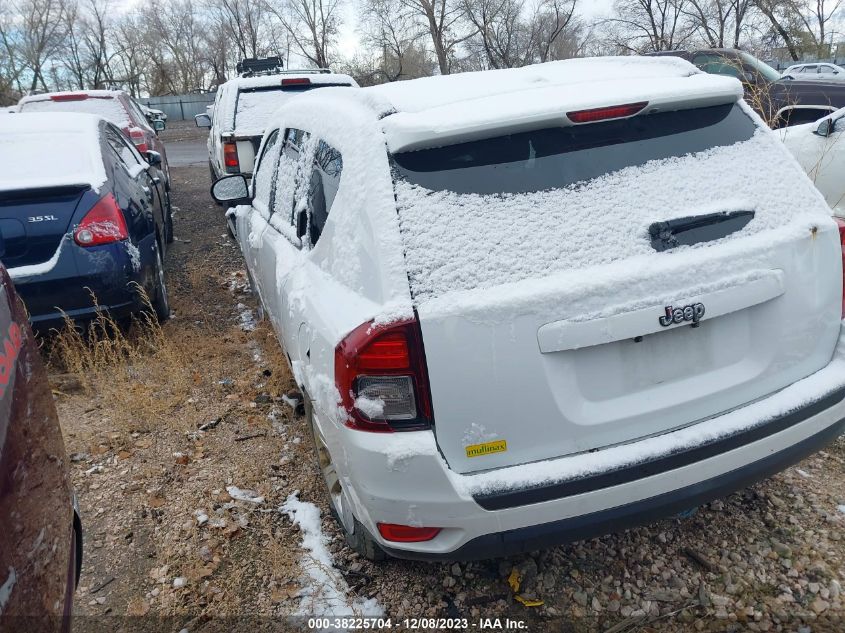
pixel 651 25
pixel 313 26
pixel 444 21
pixel 42 33
pixel 392 35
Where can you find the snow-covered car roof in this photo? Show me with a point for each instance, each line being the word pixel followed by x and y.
pixel 98 102
pixel 50 150
pixel 250 126
pixel 446 109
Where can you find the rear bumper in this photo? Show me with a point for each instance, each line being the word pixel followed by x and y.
pixel 532 538
pixel 106 272
pixel 402 478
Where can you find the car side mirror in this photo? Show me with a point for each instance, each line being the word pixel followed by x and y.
pixel 202 120
pixel 153 159
pixel 824 128
pixel 231 190
pixel 159 125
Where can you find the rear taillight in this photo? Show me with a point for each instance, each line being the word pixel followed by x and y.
pixel 603 114
pixel 230 157
pixel 381 374
pixel 841 224
pixel 406 533
pixel 103 224
pixel 136 135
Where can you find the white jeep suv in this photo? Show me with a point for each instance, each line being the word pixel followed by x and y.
pixel 535 305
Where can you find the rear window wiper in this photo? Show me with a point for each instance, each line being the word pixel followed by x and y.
pixel 696 229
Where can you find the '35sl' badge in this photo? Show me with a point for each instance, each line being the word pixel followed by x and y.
pixel 692 312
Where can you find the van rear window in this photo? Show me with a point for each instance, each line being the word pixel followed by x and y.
pixel 554 158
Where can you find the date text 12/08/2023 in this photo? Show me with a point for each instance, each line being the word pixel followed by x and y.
pixel 437 624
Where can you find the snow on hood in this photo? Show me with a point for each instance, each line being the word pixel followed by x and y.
pixel 50 150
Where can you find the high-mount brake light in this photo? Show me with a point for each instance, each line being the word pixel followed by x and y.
pixel 381 374
pixel 603 114
pixel 77 96
pixel 296 81
pixel 840 222
pixel 103 224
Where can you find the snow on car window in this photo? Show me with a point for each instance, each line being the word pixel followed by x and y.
pixel 43 159
pixel 459 242
pixel 108 108
pixel 264 180
pixel 255 107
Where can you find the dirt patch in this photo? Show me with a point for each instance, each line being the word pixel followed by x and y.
pixel 158 443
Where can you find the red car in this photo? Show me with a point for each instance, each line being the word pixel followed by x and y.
pixel 40 530
pixel 113 105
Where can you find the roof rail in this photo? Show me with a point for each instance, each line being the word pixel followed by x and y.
pixel 298 71
pixel 253 66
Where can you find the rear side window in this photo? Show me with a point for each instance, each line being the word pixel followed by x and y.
pixel 127 154
pixel 554 158
pixel 264 181
pixel 307 182
pixel 325 180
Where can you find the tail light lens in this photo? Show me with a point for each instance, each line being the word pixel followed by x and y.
pixel 604 114
pixel 103 224
pixel 381 374
pixel 136 135
pixel 841 223
pixel 230 157
pixel 406 533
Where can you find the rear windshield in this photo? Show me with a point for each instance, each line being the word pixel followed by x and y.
pixel 255 105
pixel 554 158
pixel 107 107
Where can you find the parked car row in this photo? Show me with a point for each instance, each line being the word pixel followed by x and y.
pixel 534 305
pixel 782 100
pixel 84 222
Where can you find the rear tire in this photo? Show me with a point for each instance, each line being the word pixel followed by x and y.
pixel 160 302
pixel 357 536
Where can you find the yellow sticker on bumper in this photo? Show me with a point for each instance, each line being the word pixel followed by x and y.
pixel 487 448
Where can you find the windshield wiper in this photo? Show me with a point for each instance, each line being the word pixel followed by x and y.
pixel 696 229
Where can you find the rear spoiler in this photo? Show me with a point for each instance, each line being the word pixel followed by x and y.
pixel 55 191
pixel 511 113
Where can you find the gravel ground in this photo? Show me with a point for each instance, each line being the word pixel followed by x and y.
pixel 156 445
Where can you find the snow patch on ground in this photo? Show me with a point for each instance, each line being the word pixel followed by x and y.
pixel 6 588
pixel 326 592
pixel 246 317
pixel 250 496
